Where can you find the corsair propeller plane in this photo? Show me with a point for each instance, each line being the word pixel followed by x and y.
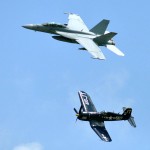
pixel 77 32
pixel 96 119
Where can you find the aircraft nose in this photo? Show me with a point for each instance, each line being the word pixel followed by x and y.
pixel 29 26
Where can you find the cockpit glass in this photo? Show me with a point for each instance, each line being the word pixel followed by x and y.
pixel 52 24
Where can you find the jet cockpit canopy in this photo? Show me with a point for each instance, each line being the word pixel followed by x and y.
pixel 53 24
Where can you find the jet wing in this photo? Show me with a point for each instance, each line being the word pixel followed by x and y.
pixel 86 102
pixel 91 47
pixel 100 130
pixel 76 23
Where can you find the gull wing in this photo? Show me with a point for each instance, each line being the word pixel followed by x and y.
pixel 91 47
pixel 100 130
pixel 86 102
pixel 76 23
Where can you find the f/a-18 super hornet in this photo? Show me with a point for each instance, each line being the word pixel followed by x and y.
pixel 77 32
pixel 88 112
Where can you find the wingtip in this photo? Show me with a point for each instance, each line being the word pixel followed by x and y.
pixel 106 20
pixel 121 54
pixel 107 140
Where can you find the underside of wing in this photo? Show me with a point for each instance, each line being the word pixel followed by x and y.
pixel 91 47
pixel 76 23
pixel 86 102
pixel 100 130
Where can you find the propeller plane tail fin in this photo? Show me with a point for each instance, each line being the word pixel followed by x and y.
pixel 127 115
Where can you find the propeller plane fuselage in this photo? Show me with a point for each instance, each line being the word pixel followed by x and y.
pixel 102 116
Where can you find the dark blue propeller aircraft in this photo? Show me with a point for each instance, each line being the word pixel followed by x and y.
pixel 89 113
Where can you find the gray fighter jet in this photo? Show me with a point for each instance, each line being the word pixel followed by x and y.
pixel 77 32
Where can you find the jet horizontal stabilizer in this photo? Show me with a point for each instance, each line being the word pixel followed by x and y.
pixel 103 39
pixel 114 49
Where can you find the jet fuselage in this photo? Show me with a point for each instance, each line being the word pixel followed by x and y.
pixel 63 32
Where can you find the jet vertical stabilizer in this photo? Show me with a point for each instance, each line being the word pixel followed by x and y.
pixel 101 27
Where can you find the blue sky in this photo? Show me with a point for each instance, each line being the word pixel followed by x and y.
pixel 40 77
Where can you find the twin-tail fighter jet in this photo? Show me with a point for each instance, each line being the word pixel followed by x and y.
pixel 77 32
pixel 88 112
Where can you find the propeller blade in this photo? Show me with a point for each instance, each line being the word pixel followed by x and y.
pixel 76 111
pixel 77 114
pixel 76 120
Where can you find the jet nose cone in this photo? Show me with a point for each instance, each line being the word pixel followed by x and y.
pixel 28 26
